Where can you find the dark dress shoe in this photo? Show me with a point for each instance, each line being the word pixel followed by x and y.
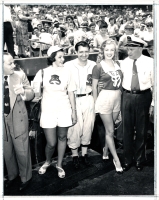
pixel 24 185
pixel 76 162
pixel 139 167
pixel 9 183
pixel 126 167
pixel 85 160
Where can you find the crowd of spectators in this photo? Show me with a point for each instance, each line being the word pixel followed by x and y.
pixel 37 27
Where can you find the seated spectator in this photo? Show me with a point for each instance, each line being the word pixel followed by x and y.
pixel 148 35
pixel 92 31
pixel 84 27
pixel 142 30
pixel 36 20
pixel 122 27
pixel 68 19
pixel 101 37
pixel 129 31
pixel 71 27
pixel 46 40
pixel 79 35
pixel 39 26
pixel 112 27
pixel 64 41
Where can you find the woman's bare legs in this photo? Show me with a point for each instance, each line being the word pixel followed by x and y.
pixel 62 142
pixel 108 121
pixel 51 140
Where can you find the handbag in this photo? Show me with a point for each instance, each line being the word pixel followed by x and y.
pixel 37 138
pixel 35 110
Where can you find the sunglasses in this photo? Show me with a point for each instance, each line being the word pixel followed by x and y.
pixel 149 25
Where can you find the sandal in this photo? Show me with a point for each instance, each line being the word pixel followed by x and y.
pixel 43 168
pixel 61 173
pixel 105 157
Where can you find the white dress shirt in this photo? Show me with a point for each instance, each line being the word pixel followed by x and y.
pixel 7 14
pixel 144 65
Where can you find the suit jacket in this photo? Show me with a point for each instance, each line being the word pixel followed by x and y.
pixel 18 112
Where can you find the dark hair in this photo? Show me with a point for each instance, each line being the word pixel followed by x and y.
pixel 92 24
pixel 81 43
pixel 112 18
pixel 149 23
pixel 51 58
pixel 69 16
pixel 63 34
pixel 103 25
pixel 35 29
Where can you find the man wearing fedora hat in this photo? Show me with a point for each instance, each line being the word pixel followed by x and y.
pixel 137 97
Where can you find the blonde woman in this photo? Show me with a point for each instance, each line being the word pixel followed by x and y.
pixel 107 102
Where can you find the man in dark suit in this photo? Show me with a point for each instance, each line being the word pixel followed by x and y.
pixel 16 138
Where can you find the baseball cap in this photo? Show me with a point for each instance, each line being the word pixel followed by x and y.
pixel 53 49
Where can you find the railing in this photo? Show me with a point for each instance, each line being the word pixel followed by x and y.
pixel 33 64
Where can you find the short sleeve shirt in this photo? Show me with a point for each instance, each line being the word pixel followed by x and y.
pixel 112 80
pixel 55 87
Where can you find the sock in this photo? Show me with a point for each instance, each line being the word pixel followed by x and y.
pixel 74 152
pixel 84 150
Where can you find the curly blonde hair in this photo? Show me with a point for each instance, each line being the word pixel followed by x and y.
pixel 108 41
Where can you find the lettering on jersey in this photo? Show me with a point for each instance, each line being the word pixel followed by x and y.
pixel 55 80
pixel 89 80
pixel 115 77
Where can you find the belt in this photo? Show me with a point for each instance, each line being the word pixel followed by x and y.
pixel 81 95
pixel 136 92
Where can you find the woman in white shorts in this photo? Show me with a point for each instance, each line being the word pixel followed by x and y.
pixel 58 106
pixel 107 101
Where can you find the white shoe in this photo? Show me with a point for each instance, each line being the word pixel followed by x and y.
pixel 118 170
pixel 105 157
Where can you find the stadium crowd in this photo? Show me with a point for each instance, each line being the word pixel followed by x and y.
pixel 37 27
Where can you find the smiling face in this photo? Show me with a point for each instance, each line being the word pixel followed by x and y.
pixel 83 53
pixel 8 65
pixel 59 58
pixel 92 28
pixel 103 31
pixel 109 51
pixel 71 25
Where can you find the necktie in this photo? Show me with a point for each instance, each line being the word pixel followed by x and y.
pixel 135 81
pixel 6 96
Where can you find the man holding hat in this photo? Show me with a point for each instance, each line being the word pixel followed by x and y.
pixel 137 97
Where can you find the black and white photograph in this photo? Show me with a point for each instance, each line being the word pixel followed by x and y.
pixel 79 106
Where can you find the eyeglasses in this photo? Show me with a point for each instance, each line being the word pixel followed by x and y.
pixel 149 25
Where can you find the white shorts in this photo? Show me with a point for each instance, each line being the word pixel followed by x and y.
pixel 52 120
pixel 108 101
